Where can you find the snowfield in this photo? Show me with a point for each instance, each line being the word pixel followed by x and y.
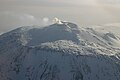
pixel 60 52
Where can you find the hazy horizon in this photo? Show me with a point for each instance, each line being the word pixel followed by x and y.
pixel 15 13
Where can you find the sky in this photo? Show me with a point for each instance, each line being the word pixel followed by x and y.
pixel 17 13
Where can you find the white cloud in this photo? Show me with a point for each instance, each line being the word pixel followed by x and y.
pixel 109 2
pixel 27 16
pixel 46 21
pixel 10 20
pixel 11 16
pixel 50 3
pixel 58 3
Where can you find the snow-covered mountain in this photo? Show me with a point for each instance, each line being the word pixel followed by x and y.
pixel 59 52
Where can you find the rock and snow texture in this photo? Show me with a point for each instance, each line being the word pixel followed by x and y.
pixel 59 52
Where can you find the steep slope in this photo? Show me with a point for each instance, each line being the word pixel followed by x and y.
pixel 111 32
pixel 59 52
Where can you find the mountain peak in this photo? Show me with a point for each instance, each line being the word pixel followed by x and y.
pixel 36 35
pixel 59 52
pixel 52 33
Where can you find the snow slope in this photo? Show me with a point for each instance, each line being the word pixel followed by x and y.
pixel 59 52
